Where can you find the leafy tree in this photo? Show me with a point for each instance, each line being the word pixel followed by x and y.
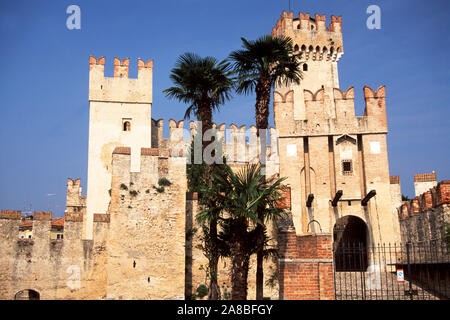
pixel 260 65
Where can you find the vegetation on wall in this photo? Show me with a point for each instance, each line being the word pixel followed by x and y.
pixel 162 183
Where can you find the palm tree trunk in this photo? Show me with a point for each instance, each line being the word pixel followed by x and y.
pixel 262 122
pixel 205 114
pixel 240 261
pixel 240 265
pixel 214 290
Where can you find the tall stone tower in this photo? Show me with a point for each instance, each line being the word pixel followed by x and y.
pixel 120 115
pixel 319 48
pixel 336 163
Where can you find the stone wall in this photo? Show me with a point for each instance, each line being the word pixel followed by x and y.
pixel 137 250
pixel 52 267
pixel 146 244
pixel 422 218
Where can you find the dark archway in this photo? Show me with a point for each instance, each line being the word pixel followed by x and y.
pixel 350 236
pixel 27 294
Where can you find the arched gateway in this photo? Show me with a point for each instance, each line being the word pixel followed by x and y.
pixel 27 294
pixel 350 236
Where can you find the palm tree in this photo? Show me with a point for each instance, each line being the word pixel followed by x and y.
pixel 204 84
pixel 239 195
pixel 260 65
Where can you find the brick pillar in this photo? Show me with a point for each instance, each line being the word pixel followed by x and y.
pixel 306 266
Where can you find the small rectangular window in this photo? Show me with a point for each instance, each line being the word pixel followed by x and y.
pixel 347 167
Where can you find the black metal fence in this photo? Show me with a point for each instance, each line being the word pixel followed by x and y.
pixel 416 271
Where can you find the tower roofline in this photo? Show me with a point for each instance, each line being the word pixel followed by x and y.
pixel 312 38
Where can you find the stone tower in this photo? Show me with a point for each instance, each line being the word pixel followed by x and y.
pixel 336 163
pixel 319 48
pixel 120 115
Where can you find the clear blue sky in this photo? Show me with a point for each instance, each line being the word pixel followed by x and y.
pixel 44 108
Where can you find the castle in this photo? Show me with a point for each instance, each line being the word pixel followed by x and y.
pixel 127 239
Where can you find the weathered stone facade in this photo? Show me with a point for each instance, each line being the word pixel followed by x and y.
pixel 422 218
pixel 52 267
pixel 330 156
pixel 131 239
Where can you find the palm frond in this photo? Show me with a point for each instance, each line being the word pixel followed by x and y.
pixel 200 82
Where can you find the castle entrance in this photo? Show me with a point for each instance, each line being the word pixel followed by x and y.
pixel 350 244
pixel 27 294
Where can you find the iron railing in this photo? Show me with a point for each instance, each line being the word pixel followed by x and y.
pixel 392 271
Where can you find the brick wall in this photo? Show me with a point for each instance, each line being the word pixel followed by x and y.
pixel 286 195
pixel 306 266
pixel 424 177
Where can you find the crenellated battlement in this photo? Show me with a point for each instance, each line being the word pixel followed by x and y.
pixel 42 224
pixel 423 218
pixel 73 195
pixel 331 112
pixel 239 143
pixel 120 88
pixel 432 198
pixel 10 214
pixel 313 39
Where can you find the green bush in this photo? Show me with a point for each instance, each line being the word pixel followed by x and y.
pixel 159 189
pixel 202 291
pixel 164 182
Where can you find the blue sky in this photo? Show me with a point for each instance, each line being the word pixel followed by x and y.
pixel 44 108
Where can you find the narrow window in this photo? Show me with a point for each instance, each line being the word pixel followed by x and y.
pixel 127 126
pixel 347 167
pixel 305 67
pixel 296 48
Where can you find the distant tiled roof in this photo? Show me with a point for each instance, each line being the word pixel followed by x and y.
pixel 58 222
pixel 26 224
